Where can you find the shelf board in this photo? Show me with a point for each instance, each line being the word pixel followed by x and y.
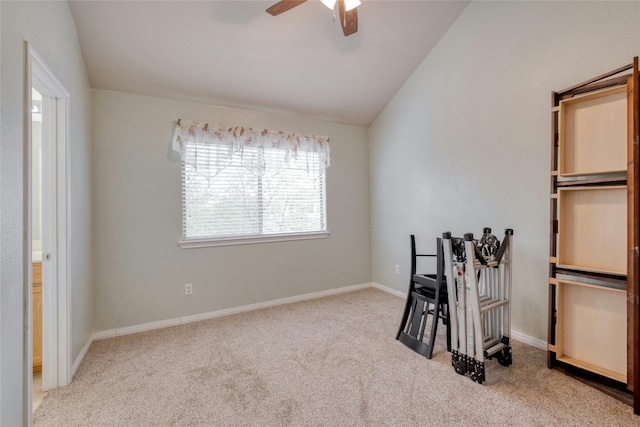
pixel 589 278
pixel 593 368
pixel 592 270
pixel 588 174
pixel 601 178
pixel 595 180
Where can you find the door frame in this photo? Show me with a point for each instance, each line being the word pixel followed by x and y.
pixel 56 343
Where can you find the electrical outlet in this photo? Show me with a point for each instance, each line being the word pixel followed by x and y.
pixel 397 269
pixel 188 289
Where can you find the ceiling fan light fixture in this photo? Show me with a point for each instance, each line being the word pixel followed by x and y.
pixel 347 13
pixel 329 3
pixel 349 4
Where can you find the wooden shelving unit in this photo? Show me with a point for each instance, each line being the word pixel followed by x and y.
pixel 594 233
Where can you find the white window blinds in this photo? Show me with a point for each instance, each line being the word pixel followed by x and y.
pixel 239 183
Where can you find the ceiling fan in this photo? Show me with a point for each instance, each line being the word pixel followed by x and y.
pixel 347 11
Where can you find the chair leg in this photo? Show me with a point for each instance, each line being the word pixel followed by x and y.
pixel 405 315
pixel 434 329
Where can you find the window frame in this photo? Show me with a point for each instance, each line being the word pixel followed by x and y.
pixel 212 241
pixel 241 240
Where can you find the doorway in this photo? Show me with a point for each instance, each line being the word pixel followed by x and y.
pixel 46 261
pixel 38 392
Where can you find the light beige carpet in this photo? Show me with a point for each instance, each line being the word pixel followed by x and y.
pixel 327 362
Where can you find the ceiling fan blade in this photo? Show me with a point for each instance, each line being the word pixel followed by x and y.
pixel 284 5
pixel 348 20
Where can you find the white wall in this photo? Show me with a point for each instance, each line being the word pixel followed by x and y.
pixel 466 142
pixel 49 27
pixel 140 271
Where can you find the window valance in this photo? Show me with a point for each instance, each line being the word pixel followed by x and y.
pixel 264 152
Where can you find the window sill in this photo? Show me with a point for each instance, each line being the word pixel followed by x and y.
pixel 229 241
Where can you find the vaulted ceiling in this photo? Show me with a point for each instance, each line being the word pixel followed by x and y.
pixel 234 54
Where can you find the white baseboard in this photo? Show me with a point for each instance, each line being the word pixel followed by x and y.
pixel 515 334
pixel 225 312
pixel 528 339
pixel 389 290
pixel 80 358
pixel 110 333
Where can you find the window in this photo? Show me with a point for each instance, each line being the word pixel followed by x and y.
pixel 240 185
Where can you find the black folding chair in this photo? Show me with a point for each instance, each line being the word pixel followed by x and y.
pixel 427 296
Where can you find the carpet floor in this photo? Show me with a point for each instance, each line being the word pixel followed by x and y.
pixel 327 362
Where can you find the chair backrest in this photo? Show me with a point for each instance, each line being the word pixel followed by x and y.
pixel 439 260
